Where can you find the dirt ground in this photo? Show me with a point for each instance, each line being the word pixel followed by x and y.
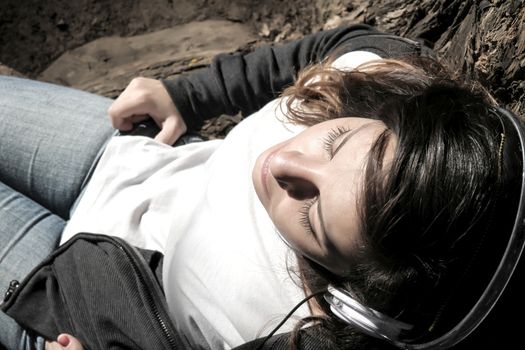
pixel 33 33
pixel 99 45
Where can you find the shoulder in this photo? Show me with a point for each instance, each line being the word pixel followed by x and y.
pixel 385 45
pixel 352 59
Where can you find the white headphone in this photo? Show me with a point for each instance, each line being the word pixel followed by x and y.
pixel 384 327
pixel 366 319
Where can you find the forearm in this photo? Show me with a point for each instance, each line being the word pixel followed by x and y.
pixel 245 82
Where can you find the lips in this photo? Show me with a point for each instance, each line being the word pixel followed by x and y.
pixel 265 171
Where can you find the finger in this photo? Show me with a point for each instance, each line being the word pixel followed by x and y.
pixel 124 107
pixel 170 131
pixel 69 342
pixel 136 118
pixel 64 339
pixel 129 122
pixel 53 346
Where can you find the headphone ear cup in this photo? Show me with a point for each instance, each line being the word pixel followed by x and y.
pixel 365 319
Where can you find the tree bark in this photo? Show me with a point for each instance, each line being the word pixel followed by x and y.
pixel 483 39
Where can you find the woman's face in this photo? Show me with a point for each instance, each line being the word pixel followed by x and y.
pixel 309 186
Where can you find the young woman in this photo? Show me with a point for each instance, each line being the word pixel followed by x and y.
pixel 375 172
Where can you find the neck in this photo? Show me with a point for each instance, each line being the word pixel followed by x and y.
pixel 313 305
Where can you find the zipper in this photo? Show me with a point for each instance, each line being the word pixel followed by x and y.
pixel 13 286
pixel 152 290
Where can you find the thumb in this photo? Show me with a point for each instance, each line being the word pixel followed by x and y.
pixel 69 342
pixel 170 131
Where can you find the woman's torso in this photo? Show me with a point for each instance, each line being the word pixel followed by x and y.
pixel 226 271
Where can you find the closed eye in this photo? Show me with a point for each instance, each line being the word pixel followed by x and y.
pixel 304 216
pixel 328 145
pixel 331 137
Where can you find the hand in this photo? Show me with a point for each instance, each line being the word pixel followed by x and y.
pixel 64 341
pixel 144 98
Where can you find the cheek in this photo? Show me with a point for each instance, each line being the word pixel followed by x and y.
pixel 287 223
pixel 284 217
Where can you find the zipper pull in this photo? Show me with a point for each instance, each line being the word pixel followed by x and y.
pixel 13 285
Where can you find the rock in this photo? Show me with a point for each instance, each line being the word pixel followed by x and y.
pixel 5 70
pixel 105 66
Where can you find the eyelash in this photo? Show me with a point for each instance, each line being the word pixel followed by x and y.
pixel 333 134
pixel 328 143
pixel 304 215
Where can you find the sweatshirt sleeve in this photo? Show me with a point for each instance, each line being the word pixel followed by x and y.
pixel 247 81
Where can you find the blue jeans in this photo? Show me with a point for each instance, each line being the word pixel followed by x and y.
pixel 50 140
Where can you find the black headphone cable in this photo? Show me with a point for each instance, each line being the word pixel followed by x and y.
pixel 292 311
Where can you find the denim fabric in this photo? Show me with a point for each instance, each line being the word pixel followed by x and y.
pixel 28 233
pixel 50 139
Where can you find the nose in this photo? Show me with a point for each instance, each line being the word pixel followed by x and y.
pixel 297 173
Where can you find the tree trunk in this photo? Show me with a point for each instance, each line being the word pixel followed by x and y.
pixel 483 39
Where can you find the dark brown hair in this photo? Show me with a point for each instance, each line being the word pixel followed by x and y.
pixel 423 215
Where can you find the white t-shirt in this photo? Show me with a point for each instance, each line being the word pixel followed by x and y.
pixel 225 268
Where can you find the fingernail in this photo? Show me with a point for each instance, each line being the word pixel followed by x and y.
pixel 63 339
